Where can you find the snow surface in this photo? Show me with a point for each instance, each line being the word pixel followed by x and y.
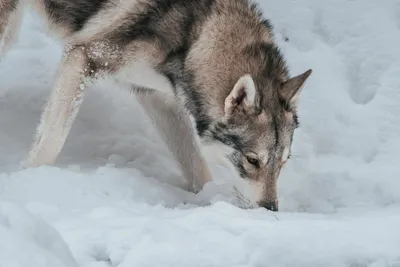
pixel 114 198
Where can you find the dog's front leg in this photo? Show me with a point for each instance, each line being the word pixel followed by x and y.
pixel 61 109
pixel 176 129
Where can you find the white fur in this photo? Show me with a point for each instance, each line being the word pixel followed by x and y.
pixel 60 111
pixel 142 74
pixel 252 190
pixel 245 85
pixel 263 156
pixel 285 154
pixel 217 153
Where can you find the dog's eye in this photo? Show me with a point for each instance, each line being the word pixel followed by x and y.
pixel 253 161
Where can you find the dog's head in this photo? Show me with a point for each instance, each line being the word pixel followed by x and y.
pixel 257 128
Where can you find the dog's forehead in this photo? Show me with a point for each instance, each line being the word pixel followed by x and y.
pixel 268 122
pixel 272 133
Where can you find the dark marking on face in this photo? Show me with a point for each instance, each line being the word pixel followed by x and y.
pixel 232 140
pixel 236 159
pixel 223 134
pixel 276 130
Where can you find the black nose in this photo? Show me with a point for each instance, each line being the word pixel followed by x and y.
pixel 269 205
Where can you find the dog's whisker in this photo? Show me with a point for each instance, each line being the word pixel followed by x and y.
pixel 243 200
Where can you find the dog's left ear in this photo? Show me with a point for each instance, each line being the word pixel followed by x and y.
pixel 291 89
pixel 242 96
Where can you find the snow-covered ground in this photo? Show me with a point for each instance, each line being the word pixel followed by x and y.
pixel 114 196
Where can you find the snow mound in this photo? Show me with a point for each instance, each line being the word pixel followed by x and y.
pixel 224 235
pixel 28 241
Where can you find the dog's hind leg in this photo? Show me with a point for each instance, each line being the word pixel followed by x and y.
pixel 176 130
pixel 62 107
pixel 11 12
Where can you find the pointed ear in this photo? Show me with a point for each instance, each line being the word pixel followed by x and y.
pixel 242 95
pixel 291 89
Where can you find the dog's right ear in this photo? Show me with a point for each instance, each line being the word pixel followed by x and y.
pixel 242 96
pixel 291 89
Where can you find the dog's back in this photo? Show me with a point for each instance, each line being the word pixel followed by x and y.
pixel 169 21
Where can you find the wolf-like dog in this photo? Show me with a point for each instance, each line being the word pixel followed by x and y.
pixel 228 85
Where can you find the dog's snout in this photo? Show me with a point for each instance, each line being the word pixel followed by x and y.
pixel 269 205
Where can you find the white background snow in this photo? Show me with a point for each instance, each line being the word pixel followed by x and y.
pixel 114 197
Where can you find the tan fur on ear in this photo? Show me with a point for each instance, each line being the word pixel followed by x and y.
pixel 290 90
pixel 243 93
